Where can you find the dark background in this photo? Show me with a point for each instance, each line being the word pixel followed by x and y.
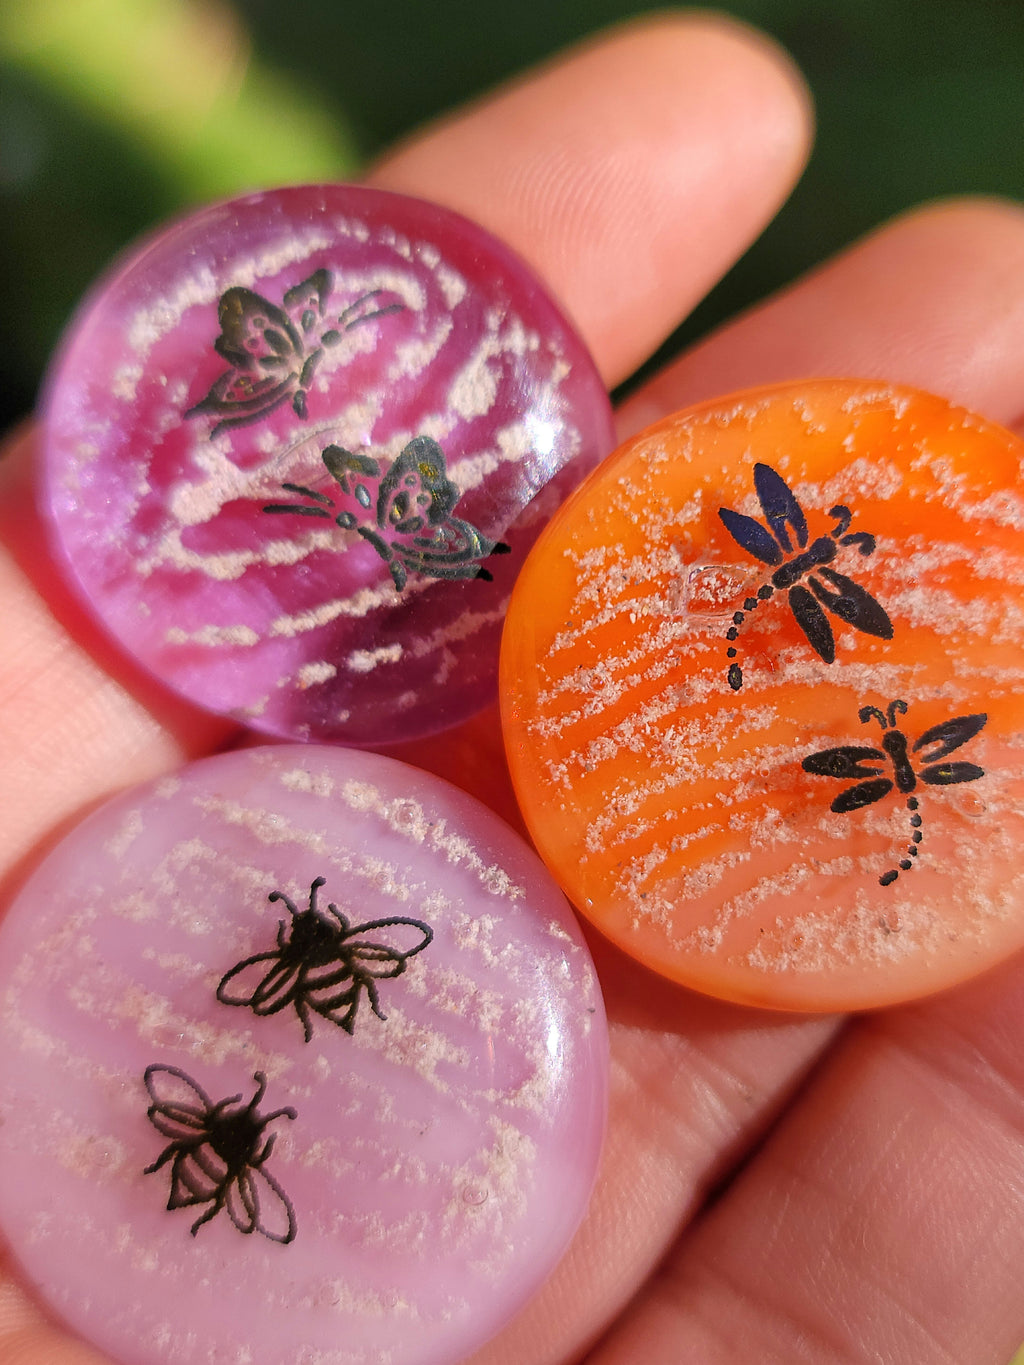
pixel 115 114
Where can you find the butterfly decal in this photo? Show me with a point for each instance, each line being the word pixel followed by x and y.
pixel 826 590
pixel 873 783
pixel 273 351
pixel 217 1154
pixel 324 964
pixel 404 509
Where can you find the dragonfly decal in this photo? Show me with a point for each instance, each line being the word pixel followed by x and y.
pixel 273 351
pixel 826 590
pixel 404 509
pixel 891 768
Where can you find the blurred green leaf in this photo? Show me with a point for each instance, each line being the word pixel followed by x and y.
pixel 177 80
pixel 115 114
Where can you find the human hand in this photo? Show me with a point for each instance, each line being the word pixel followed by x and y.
pixel 866 1175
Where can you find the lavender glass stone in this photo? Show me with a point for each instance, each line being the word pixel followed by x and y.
pixel 297 446
pixel 392 1189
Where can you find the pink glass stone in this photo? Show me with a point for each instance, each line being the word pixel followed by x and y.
pixel 386 378
pixel 431 1146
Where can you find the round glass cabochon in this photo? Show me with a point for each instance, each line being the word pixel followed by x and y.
pixel 763 691
pixel 338 1017
pixel 297 446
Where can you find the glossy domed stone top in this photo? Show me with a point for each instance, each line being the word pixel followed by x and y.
pixel 297 446
pixel 304 1060
pixel 763 687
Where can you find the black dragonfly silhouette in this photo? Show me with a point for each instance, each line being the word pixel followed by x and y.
pixel 273 351
pixel 322 963
pixel 858 761
pixel 828 589
pixel 217 1153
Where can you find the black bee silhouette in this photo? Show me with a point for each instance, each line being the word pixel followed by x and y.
pixel 273 352
pixel 322 964
pixel 217 1154
pixel 845 599
pixel 849 760
pixel 404 510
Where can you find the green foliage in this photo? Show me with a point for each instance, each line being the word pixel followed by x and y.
pixel 116 113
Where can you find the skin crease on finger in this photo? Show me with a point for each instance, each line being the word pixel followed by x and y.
pixel 690 1094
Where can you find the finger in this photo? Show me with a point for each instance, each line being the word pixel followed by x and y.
pixel 884 1220
pixel 76 721
pixel 630 174
pixel 26 1338
pixel 632 204
pixel 931 300
pixel 79 720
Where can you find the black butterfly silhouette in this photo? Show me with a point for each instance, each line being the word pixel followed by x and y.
pixel 217 1154
pixel 321 963
pixel 273 352
pixel 850 760
pixel 404 510
pixel 845 599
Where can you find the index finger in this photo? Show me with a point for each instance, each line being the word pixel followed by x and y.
pixel 630 174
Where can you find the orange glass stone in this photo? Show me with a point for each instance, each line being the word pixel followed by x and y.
pixel 763 695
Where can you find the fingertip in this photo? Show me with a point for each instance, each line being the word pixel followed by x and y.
pixel 934 298
pixel 630 171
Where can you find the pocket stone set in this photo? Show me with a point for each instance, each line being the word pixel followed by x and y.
pixel 305 1046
